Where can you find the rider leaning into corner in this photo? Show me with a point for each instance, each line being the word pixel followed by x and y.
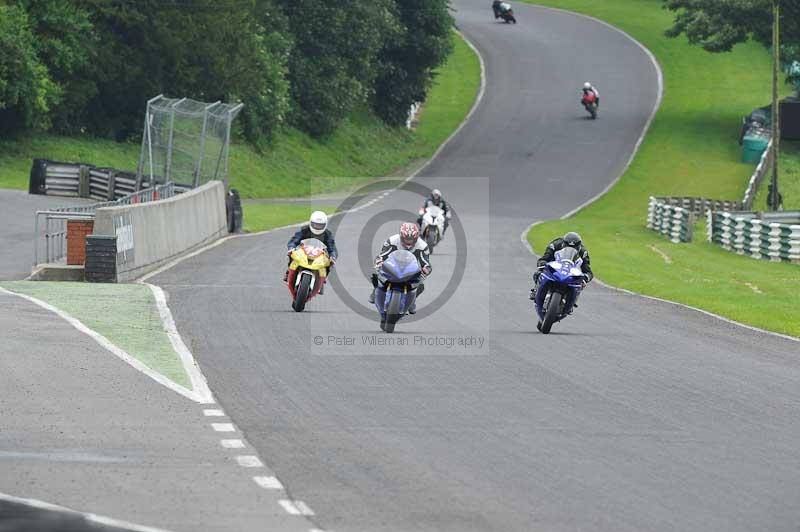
pixel 498 6
pixel 317 227
pixel 573 240
pixel 589 88
pixel 436 199
pixel 408 239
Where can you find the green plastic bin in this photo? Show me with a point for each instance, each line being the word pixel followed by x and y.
pixel 753 148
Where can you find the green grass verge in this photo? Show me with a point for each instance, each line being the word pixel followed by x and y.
pixel 126 314
pixel 264 216
pixel 296 165
pixel 691 149
pixel 788 179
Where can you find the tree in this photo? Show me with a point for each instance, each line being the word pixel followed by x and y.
pixel 27 93
pixel 334 61
pixel 718 25
pixel 206 52
pixel 65 43
pixel 408 59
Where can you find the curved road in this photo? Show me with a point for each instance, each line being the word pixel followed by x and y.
pixel 636 415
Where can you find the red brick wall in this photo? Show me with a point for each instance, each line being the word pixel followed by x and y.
pixel 76 240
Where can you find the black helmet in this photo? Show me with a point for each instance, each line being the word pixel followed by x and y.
pixel 572 239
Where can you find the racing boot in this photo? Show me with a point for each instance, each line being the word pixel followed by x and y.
pixel 413 308
pixel 372 297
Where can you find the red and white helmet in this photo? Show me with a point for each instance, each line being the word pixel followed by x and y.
pixel 409 233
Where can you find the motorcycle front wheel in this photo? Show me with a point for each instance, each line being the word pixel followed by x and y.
pixel 301 295
pixel 552 312
pixel 430 239
pixel 393 311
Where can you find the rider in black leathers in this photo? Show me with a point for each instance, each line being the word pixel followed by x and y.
pixel 571 239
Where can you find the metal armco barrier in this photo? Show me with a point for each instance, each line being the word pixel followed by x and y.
pixel 54 178
pixel 772 236
pixel 676 223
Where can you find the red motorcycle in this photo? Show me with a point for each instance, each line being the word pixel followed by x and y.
pixel 589 102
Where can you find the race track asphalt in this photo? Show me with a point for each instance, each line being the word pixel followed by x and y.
pixel 634 415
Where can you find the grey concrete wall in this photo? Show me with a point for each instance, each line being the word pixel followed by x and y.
pixel 150 234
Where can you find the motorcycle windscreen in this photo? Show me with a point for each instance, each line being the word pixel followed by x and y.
pixel 435 211
pixel 567 253
pixel 313 247
pixel 400 266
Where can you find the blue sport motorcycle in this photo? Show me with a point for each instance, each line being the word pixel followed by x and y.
pixel 398 278
pixel 560 283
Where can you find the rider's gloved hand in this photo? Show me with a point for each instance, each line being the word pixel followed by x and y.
pixel 426 270
pixel 289 252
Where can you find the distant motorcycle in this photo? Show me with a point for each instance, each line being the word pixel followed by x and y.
pixel 503 10
pixel 560 284
pixel 307 272
pixel 589 101
pixel 432 225
pixel 398 278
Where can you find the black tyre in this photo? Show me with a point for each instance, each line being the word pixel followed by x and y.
pixel 430 239
pixel 552 312
pixel 593 112
pixel 393 312
pixel 301 295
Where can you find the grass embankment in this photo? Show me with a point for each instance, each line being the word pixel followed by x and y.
pixel 691 150
pixel 788 179
pixel 295 165
pixel 126 314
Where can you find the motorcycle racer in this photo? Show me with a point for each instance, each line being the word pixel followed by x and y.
pixel 408 239
pixel 570 239
pixel 317 227
pixel 435 199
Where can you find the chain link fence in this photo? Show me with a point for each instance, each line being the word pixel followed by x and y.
pixel 185 141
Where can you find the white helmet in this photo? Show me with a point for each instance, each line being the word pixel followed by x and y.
pixel 587 85
pixel 318 222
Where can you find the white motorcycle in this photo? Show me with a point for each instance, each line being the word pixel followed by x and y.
pixel 432 225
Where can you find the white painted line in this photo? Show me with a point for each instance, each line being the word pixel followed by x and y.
pixel 223 427
pixel 303 507
pixel 232 444
pixel 213 412
pixel 295 507
pixel 249 461
pixel 270 483
pixel 93 518
pixel 107 344
pixel 196 377
pixel 289 507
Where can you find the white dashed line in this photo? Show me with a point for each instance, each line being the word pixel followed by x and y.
pixel 249 461
pixel 269 483
pixel 223 427
pixel 213 412
pixel 295 507
pixel 232 444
